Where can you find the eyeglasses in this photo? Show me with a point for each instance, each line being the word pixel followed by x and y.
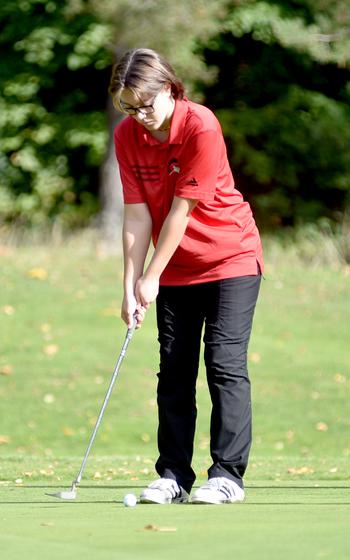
pixel 144 109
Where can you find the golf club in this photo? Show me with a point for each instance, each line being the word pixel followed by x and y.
pixel 72 493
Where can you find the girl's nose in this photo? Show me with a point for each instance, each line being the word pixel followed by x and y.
pixel 140 116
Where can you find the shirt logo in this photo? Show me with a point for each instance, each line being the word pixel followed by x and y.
pixel 173 166
pixel 193 182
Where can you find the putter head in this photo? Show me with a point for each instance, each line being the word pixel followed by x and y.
pixel 66 494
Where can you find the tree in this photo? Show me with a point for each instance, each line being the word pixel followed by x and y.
pixel 53 125
pixel 275 72
pixel 282 96
pixel 53 76
pixel 172 28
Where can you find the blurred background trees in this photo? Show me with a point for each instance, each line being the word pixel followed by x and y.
pixel 54 73
pixel 284 105
pixel 276 73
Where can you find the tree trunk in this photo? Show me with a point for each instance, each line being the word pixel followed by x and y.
pixel 110 192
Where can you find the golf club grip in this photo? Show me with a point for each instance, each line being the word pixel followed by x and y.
pixel 131 330
pixel 128 337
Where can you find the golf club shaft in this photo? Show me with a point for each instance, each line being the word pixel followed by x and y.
pixel 128 337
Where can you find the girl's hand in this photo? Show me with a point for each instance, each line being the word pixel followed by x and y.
pixel 131 309
pixel 146 290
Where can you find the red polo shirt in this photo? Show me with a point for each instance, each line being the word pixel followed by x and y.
pixel 221 239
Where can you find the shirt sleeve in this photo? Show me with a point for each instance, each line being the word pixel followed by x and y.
pixel 132 189
pixel 199 169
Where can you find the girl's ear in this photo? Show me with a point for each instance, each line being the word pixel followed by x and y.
pixel 167 88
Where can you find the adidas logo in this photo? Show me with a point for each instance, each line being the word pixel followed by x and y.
pixel 193 182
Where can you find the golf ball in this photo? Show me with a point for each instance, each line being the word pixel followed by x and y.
pixel 130 500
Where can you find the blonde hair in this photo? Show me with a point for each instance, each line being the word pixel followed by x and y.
pixel 144 72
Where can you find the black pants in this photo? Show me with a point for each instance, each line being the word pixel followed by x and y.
pixel 226 309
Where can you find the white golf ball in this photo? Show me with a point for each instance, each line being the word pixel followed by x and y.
pixel 130 500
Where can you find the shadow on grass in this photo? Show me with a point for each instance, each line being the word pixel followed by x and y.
pixel 84 486
pixel 268 500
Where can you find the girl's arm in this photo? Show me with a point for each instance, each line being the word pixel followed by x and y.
pixel 137 228
pixel 170 236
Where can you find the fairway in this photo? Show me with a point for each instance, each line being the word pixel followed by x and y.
pixel 304 522
pixel 61 335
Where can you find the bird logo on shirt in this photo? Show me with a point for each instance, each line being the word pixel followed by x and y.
pixel 173 166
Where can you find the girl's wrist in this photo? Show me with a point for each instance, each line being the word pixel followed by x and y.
pixel 151 274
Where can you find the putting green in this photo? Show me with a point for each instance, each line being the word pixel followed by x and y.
pixel 290 521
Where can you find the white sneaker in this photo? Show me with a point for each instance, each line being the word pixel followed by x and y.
pixel 164 491
pixel 219 490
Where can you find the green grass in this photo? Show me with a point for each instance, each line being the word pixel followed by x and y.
pixel 305 522
pixel 60 337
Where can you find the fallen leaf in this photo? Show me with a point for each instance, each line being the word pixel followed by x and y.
pixel 47 472
pixel 321 427
pixel 146 438
pixel 255 358
pixel 159 529
pixel 50 349
pixel 38 273
pixel 204 443
pixel 301 470
pixel 4 440
pixel 150 528
pixel 67 431
pixel 8 309
pixel 111 312
pixel 6 370
pixel 49 398
pixel 339 378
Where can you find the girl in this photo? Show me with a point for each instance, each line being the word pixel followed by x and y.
pixel 204 273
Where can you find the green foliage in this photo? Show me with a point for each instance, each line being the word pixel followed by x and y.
pixel 284 106
pixel 293 148
pixel 275 71
pixel 277 22
pixel 172 28
pixel 54 91
pixel 52 125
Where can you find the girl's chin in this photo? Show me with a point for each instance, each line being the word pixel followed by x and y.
pixel 154 127
pixel 151 126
